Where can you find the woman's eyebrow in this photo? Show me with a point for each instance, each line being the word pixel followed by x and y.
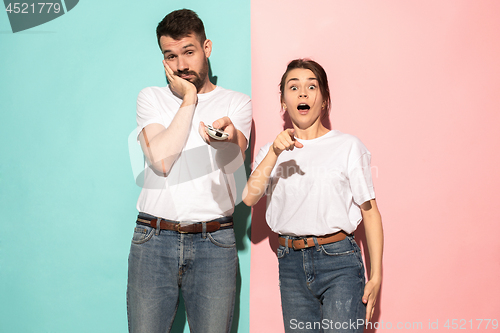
pixel 296 79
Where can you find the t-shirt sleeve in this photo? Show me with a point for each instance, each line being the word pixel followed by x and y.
pixel 260 155
pixel 147 113
pixel 258 159
pixel 241 114
pixel 360 177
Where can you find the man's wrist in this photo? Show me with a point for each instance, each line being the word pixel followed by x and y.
pixel 189 98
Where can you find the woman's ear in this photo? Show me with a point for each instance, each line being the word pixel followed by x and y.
pixel 283 105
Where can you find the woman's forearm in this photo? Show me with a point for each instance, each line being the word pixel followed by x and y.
pixel 257 183
pixel 374 237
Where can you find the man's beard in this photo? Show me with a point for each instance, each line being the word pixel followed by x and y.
pixel 199 78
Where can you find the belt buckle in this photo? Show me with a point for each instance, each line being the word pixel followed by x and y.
pixel 178 229
pixel 306 245
pixel 294 240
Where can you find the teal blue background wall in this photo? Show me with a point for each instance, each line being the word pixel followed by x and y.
pixel 68 90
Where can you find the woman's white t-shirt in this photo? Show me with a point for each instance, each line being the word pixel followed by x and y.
pixel 317 189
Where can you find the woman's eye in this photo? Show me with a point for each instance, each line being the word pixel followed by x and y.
pixel 312 87
pixel 293 88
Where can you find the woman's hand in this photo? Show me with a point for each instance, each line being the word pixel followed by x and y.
pixel 370 297
pixel 285 141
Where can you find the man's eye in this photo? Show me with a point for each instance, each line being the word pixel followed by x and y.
pixel 169 57
pixel 189 52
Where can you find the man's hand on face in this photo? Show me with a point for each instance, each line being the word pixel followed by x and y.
pixel 179 85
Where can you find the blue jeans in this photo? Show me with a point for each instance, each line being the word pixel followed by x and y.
pixel 202 265
pixel 322 287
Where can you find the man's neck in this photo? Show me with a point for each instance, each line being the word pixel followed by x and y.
pixel 207 87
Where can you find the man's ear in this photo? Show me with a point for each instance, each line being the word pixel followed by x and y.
pixel 207 47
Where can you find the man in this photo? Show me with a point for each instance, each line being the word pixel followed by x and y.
pixel 184 238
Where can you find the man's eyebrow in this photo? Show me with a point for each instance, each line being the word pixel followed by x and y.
pixel 184 47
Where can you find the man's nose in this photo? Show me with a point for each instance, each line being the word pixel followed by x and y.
pixel 182 64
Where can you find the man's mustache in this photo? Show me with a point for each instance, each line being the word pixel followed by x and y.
pixel 186 72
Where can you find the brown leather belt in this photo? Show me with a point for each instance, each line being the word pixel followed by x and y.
pixel 303 243
pixel 192 228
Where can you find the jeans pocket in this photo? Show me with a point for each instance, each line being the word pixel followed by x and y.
pixel 142 234
pixel 339 248
pixel 223 238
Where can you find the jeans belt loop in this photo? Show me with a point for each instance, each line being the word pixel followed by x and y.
pixel 204 230
pixel 316 244
pixel 158 224
pixel 287 247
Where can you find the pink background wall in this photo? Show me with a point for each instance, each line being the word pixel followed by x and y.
pixel 418 82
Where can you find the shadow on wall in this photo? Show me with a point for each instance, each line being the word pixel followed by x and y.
pixel 260 230
pixel 241 229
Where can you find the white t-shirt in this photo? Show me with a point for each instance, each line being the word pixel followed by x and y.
pixel 317 189
pixel 195 189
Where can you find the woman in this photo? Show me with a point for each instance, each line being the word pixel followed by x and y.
pixel 319 189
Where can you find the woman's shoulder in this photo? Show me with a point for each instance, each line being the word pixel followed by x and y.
pixel 345 137
pixel 348 141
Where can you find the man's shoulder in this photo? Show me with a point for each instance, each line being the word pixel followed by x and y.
pixel 232 94
pixel 156 92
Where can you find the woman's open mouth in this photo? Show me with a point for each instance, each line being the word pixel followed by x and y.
pixel 303 108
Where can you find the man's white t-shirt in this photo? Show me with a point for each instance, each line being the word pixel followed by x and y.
pixel 195 188
pixel 317 189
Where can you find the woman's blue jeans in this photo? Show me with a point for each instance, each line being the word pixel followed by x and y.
pixel 202 265
pixel 322 287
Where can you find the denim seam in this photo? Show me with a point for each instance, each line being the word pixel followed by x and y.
pixel 220 244
pixel 337 254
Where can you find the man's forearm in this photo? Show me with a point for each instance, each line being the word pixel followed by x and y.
pixel 163 148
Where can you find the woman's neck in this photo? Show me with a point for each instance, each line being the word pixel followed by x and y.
pixel 312 132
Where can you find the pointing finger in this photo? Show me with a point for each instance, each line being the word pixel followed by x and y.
pixel 296 143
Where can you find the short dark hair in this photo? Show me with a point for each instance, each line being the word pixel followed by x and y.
pixel 180 23
pixel 320 74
